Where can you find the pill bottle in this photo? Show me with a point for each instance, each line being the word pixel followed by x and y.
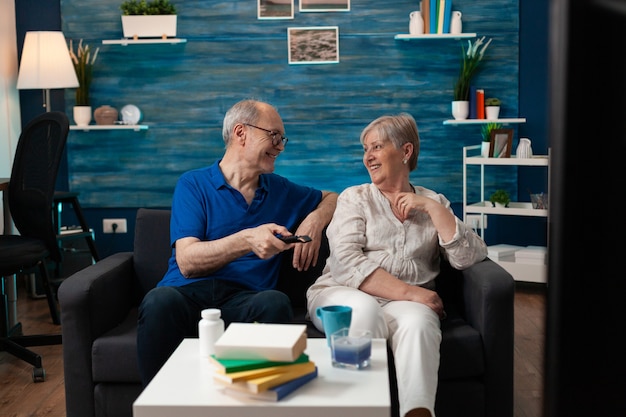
pixel 210 328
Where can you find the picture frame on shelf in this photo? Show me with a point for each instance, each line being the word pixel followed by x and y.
pixel 501 143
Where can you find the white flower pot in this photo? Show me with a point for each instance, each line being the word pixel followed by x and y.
pixel 492 112
pixel 484 149
pixel 82 115
pixel 155 26
pixel 460 110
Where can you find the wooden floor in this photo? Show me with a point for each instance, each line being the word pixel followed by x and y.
pixel 21 397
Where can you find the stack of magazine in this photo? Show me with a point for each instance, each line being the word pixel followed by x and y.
pixel 262 361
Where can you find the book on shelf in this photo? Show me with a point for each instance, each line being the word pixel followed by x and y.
pixel 270 341
pixel 433 16
pixel 480 103
pixel 263 383
pixel 233 377
pixel 226 366
pixel 276 393
pixel 472 102
pixel 440 11
pixel 425 8
pixel 447 16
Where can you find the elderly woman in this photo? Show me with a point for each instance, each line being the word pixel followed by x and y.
pixel 386 240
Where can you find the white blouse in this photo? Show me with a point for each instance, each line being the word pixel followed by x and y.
pixel 364 234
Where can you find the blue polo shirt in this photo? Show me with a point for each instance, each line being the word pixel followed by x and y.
pixel 205 206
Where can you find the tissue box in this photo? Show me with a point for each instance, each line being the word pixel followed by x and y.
pixel 503 252
pixel 536 255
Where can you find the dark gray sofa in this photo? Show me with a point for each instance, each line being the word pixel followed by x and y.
pixel 99 313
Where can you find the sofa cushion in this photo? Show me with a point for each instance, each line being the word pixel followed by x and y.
pixel 114 354
pixel 461 349
pixel 152 248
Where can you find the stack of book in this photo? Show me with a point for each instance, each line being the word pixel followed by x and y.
pixel 262 361
pixel 436 15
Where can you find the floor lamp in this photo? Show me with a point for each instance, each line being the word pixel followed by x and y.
pixel 46 64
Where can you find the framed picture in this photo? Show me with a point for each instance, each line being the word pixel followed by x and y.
pixel 324 5
pixel 313 45
pixel 275 9
pixel 501 142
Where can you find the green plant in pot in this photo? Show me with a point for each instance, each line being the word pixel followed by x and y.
pixel 142 7
pixel 500 197
pixel 83 59
pixel 485 132
pixel 492 108
pixel 148 19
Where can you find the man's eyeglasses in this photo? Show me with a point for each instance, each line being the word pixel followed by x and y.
pixel 276 136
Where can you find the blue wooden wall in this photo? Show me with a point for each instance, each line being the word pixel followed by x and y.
pixel 184 90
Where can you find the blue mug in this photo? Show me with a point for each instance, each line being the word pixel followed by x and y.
pixel 334 318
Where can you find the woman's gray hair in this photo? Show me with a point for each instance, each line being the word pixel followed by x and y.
pixel 398 129
pixel 245 111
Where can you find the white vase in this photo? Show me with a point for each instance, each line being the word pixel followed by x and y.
pixel 524 149
pixel 82 115
pixel 416 23
pixel 460 110
pixel 484 149
pixel 492 112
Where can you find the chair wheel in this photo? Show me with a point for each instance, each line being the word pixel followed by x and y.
pixel 39 374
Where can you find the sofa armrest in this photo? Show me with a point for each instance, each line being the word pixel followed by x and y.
pixel 92 301
pixel 488 295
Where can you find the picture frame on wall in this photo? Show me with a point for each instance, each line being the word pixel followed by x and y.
pixel 501 143
pixel 275 9
pixel 313 45
pixel 324 5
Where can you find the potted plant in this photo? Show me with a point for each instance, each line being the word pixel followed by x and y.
pixel 485 132
pixel 469 66
pixel 500 198
pixel 492 108
pixel 143 19
pixel 83 60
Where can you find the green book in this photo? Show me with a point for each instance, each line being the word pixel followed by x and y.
pixel 227 366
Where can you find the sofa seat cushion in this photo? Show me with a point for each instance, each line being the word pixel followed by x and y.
pixel 461 350
pixel 114 354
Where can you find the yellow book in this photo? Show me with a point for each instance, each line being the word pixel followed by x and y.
pixel 233 377
pixel 264 383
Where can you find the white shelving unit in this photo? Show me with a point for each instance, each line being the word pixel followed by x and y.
pixel 109 127
pixel 471 156
pixel 439 36
pixel 128 41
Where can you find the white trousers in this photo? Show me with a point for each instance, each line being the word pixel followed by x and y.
pixel 412 330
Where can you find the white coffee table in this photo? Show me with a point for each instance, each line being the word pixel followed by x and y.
pixel 184 387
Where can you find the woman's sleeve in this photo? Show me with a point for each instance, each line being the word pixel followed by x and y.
pixel 347 238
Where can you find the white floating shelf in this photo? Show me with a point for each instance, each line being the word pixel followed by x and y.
pixel 125 42
pixel 109 127
pixel 513 209
pixel 483 121
pixel 407 37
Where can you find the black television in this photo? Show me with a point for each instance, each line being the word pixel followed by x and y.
pixel 585 352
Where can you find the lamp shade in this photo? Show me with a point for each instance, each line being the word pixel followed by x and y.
pixel 46 62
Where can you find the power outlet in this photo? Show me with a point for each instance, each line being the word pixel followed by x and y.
pixel 107 225
pixel 475 220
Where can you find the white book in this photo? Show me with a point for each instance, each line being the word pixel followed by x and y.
pixel 276 342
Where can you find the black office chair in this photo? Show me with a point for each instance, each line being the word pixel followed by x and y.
pixel 31 191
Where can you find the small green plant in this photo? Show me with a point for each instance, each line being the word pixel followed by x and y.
pixel 142 7
pixel 486 129
pixel 500 197
pixel 83 60
pixel 492 101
